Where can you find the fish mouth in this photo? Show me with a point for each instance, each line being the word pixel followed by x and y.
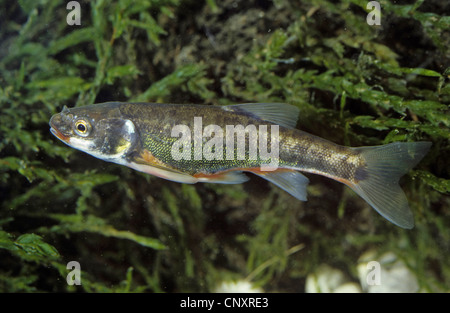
pixel 59 135
pixel 56 120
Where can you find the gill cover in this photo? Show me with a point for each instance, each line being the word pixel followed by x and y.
pixel 110 140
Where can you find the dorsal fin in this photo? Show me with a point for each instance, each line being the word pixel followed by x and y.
pixel 283 114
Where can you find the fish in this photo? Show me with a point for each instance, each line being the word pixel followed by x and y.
pixel 191 143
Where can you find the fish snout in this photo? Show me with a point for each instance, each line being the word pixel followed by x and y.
pixel 60 126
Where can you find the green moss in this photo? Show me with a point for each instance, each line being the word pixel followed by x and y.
pixel 355 84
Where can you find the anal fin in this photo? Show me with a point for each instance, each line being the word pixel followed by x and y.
pixel 290 181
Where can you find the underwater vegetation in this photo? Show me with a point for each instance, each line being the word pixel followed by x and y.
pixel 355 84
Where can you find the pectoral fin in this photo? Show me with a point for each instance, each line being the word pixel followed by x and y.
pixel 147 163
pixel 230 177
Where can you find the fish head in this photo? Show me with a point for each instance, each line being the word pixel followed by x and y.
pixel 99 130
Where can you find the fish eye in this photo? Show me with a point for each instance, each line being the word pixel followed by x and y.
pixel 82 128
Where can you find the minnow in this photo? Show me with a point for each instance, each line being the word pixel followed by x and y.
pixel 141 136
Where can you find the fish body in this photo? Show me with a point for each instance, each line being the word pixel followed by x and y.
pixel 199 143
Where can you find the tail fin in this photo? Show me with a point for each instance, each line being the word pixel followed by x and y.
pixel 378 182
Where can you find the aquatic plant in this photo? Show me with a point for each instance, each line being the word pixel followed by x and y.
pixel 355 84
